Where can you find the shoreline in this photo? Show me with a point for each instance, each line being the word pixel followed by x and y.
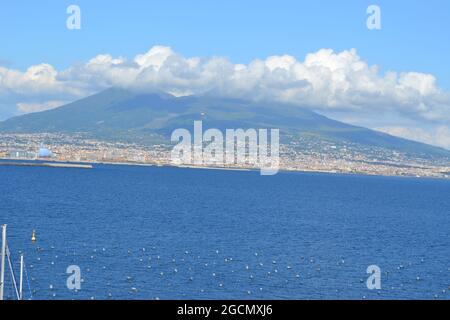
pixel 90 165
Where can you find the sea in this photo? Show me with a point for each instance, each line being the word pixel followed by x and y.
pixel 142 232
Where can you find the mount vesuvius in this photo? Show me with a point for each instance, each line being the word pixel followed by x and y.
pixel 123 115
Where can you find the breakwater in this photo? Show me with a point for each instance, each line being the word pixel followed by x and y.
pixel 47 164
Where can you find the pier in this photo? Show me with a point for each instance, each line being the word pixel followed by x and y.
pixel 47 164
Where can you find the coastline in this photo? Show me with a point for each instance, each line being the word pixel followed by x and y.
pixel 91 165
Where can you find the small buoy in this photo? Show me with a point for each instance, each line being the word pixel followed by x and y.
pixel 33 236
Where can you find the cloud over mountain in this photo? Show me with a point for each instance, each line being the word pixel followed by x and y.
pixel 324 80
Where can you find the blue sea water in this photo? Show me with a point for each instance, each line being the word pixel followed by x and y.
pixel 173 233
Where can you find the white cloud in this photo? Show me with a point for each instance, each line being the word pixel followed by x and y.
pixel 154 58
pixel 36 107
pixel 325 80
pixel 439 136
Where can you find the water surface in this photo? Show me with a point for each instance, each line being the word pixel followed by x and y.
pixel 172 233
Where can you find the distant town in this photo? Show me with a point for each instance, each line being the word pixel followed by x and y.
pixel 304 154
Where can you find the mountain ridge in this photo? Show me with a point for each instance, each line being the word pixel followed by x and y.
pixel 121 114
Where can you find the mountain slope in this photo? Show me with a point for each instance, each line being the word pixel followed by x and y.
pixel 123 115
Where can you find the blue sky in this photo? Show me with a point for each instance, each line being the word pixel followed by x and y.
pixel 174 45
pixel 414 34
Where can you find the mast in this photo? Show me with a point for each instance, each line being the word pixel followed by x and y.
pixel 21 278
pixel 2 266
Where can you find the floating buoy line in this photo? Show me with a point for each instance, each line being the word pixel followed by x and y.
pixel 216 273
